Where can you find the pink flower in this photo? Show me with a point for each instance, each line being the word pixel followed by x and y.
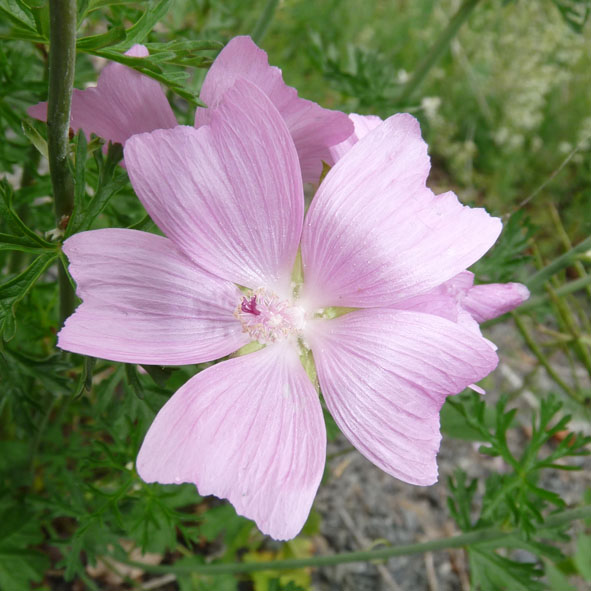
pixel 228 197
pixel 125 103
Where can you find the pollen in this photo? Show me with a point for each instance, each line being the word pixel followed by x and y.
pixel 269 319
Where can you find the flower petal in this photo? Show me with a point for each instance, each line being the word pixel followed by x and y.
pixel 375 235
pixel 250 430
pixel 123 103
pixel 385 374
pixel 484 302
pixel 363 125
pixel 313 128
pixel 444 300
pixel 146 302
pixel 228 194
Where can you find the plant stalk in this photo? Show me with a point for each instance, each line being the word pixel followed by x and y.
pixel 262 25
pixel 62 63
pixel 537 351
pixel 473 537
pixel 437 50
pixel 536 282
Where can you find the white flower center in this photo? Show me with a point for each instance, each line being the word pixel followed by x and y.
pixel 268 319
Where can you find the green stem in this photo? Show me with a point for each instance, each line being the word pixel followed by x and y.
pixel 260 29
pixel 62 62
pixel 459 541
pixel 563 290
pixel 535 349
pixel 565 239
pixel 565 260
pixel 570 325
pixel 437 50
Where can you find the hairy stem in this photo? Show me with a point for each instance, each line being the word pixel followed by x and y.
pixel 62 62
pixel 437 50
pixel 474 537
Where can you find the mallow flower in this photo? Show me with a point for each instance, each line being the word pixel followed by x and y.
pixel 125 102
pixel 241 267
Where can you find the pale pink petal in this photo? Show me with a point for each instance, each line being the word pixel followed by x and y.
pixel 384 375
pixel 444 300
pixel 447 301
pixel 375 235
pixel 313 128
pixel 477 389
pixel 123 103
pixel 436 302
pixel 38 111
pixel 146 302
pixel 138 50
pixel 363 125
pixel 229 193
pixel 484 302
pixel 249 430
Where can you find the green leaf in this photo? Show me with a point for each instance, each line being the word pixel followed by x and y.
pixel 35 138
pixel 40 10
pixel 145 24
pixel 185 45
pixel 133 380
pixel 149 66
pixel 145 224
pixel 111 180
pixel 19 13
pixel 20 565
pixel 16 33
pixel 558 581
pixel 85 380
pixel 19 568
pixel 461 497
pixel 455 421
pixel 111 37
pixel 15 289
pixel 582 557
pixel 159 374
pixel 11 217
pixel 22 243
pixel 493 572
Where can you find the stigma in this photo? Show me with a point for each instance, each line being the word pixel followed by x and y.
pixel 269 319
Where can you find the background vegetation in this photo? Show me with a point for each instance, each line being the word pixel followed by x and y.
pixel 505 106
